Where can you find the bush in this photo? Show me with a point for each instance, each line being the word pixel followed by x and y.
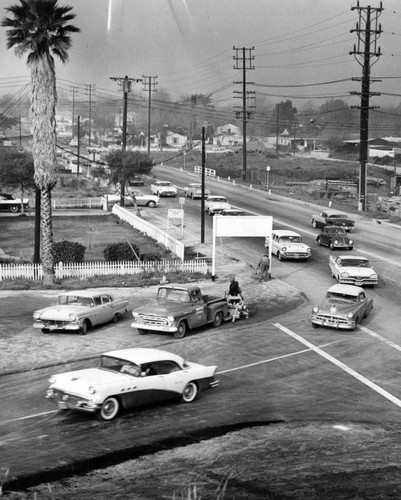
pixel 151 257
pixel 68 251
pixel 121 251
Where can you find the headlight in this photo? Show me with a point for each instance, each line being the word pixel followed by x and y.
pixel 284 249
pixel 350 315
pixel 91 390
pixel 315 310
pixel 373 276
pixel 351 242
pixel 309 250
pixel 36 315
pixel 344 275
pixel 135 314
pixel 336 242
pixel 171 319
pixel 73 317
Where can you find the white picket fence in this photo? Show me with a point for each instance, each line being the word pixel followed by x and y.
pixel 94 202
pixel 88 269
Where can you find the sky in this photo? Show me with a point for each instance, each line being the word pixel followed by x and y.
pixel 300 48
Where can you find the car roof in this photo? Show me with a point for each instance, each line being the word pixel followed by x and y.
pixel 216 196
pixel 285 232
pixel 141 355
pixel 85 293
pixel 186 288
pixel 334 212
pixel 346 289
pixel 352 257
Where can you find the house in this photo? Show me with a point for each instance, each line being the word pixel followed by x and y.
pixel 227 135
pixel 175 140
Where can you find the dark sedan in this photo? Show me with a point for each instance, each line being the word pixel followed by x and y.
pixel 10 203
pixel 335 237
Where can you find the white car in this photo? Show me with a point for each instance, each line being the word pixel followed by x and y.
pixel 9 203
pixel 288 245
pixel 214 204
pixel 163 188
pixel 142 200
pixel 80 310
pixel 352 270
pixel 194 190
pixel 129 378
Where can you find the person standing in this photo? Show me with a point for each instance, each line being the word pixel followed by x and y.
pixel 264 266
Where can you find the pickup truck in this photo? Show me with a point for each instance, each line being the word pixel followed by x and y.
pixel 178 309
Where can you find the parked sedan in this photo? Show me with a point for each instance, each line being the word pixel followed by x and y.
pixel 335 237
pixel 194 190
pixel 9 203
pixel 343 307
pixel 233 212
pixel 288 244
pixel 215 204
pixel 142 200
pixel 130 378
pixel 352 270
pixel 80 310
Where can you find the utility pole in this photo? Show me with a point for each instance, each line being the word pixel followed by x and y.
pixel 149 86
pixel 277 125
pixel 243 61
pixel 365 49
pixel 125 86
pixel 78 142
pixel 203 184
pixel 88 91
pixel 73 89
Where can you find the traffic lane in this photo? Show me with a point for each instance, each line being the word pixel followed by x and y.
pixel 265 377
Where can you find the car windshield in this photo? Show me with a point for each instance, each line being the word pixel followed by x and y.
pixel 290 239
pixel 219 198
pixel 119 365
pixel 355 263
pixel 335 230
pixel 174 295
pixel 75 300
pixel 337 216
pixel 343 297
pixel 163 183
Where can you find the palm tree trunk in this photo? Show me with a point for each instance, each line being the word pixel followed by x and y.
pixel 43 111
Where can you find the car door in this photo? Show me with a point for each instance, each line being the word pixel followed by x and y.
pixel 198 313
pixel 275 245
pixel 106 309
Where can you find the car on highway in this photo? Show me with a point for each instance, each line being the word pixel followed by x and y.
pixel 343 307
pixel 194 190
pixel 333 218
pixel 286 244
pixel 129 378
pixel 163 188
pixel 142 200
pixel 335 237
pixel 78 311
pixel 353 270
pixel 9 203
pixel 215 204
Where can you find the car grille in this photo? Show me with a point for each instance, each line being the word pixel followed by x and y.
pixel 332 320
pixel 154 320
pixel 70 399
pixel 350 280
pixel 54 323
pixel 297 254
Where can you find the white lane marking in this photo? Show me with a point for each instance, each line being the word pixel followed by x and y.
pixel 379 337
pixel 270 360
pixel 341 365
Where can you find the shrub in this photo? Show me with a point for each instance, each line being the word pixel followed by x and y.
pixel 151 257
pixel 121 251
pixel 68 251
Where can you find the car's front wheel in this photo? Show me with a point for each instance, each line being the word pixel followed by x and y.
pixel 151 204
pixel 115 318
pixel 350 248
pixel 84 328
pixel 109 409
pixel 280 257
pixel 218 319
pixel 181 330
pixel 142 332
pixel 319 241
pixel 45 330
pixel 314 223
pixel 190 392
pixel 331 245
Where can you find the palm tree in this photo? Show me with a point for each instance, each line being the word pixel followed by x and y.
pixel 40 29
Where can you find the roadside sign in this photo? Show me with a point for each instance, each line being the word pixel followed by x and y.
pixel 175 213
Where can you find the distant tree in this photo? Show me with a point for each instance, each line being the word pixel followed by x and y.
pixel 41 29
pixel 335 118
pixel 284 117
pixel 7 122
pixel 123 167
pixel 17 171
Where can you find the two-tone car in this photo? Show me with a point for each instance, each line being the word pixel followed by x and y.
pixel 163 188
pixel 142 200
pixel 9 203
pixel 194 190
pixel 78 311
pixel 215 204
pixel 333 218
pixel 129 378
pixel 343 307
pixel 353 270
pixel 286 244
pixel 335 237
